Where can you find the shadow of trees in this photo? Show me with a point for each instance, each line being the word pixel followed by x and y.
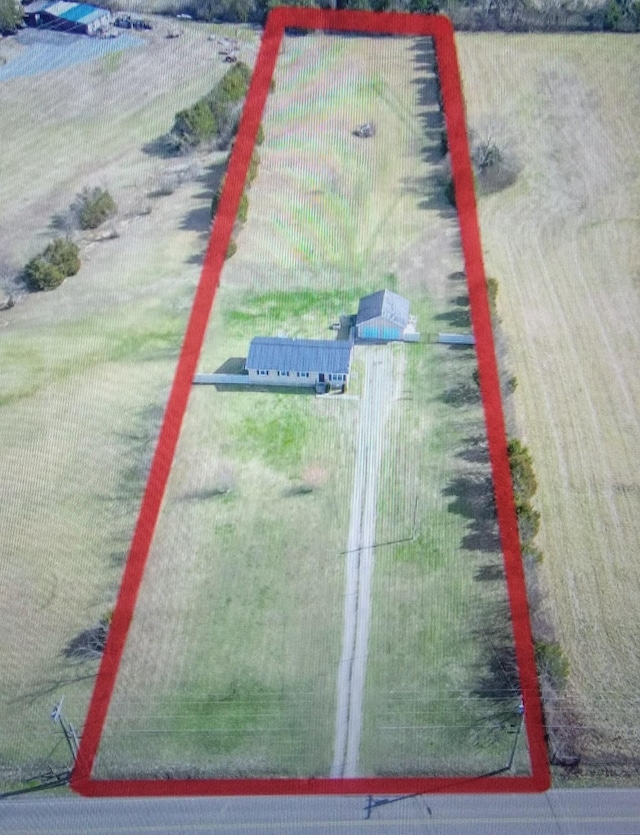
pixel 498 679
pixel 471 496
pixel 198 219
pixel 431 188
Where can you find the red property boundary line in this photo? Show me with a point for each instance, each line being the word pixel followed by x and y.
pixel 440 29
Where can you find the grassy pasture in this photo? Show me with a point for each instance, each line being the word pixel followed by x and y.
pixel 85 369
pixel 237 632
pixel 563 243
pixel 437 703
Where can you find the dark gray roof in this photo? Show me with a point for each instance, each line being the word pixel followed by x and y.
pixel 304 355
pixel 384 303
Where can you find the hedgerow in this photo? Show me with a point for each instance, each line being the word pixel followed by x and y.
pixel 210 115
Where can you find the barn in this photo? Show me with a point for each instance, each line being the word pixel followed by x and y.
pixel 299 362
pixel 67 17
pixel 384 317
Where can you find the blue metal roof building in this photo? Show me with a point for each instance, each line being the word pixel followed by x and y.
pixel 382 316
pixel 62 15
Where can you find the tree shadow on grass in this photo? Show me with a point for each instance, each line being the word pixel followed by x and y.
pixel 87 645
pixel 199 218
pixel 476 450
pixel 461 394
pixel 472 497
pixel 458 318
pixel 498 679
pixel 52 686
pixel 430 189
pixel 161 146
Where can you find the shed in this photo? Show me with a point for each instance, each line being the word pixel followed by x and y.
pixel 299 362
pixel 80 18
pixel 382 316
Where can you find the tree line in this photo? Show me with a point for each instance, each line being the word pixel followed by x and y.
pixel 480 15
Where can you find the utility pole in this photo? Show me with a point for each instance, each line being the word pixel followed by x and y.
pixel 520 711
pixel 53 780
pixel 67 729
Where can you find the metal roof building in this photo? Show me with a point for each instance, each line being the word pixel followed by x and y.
pixel 304 355
pixel 299 361
pixel 382 316
pixel 71 17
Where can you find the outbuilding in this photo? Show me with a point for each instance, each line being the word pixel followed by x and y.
pixel 274 360
pixel 384 317
pixel 80 18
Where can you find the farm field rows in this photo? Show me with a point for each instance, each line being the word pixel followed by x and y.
pixel 563 243
pixel 238 626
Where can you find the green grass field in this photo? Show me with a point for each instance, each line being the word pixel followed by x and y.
pixel 238 628
pixel 436 703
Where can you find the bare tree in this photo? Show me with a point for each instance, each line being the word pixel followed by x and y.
pixel 494 163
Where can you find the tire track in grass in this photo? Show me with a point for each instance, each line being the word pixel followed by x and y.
pixel 375 407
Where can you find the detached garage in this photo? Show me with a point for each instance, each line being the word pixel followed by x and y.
pixel 384 317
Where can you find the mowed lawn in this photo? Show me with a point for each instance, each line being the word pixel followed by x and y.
pixel 86 369
pixel 230 667
pixel 563 243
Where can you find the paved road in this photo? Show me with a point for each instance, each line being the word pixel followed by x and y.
pixel 586 812
pixel 375 406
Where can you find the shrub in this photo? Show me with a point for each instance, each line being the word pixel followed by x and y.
pixel 423 7
pixel 552 662
pixel 228 122
pixel 528 522
pixel 522 474
pixel 492 293
pixel 214 113
pixel 231 249
pixel 532 553
pixel 93 206
pixel 11 15
pixel 495 169
pixel 612 16
pixel 194 125
pixel 233 86
pixel 238 11
pixel 254 163
pixel 215 202
pixel 243 208
pixel 41 275
pixel 63 254
pixel 48 270
pixel 260 135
